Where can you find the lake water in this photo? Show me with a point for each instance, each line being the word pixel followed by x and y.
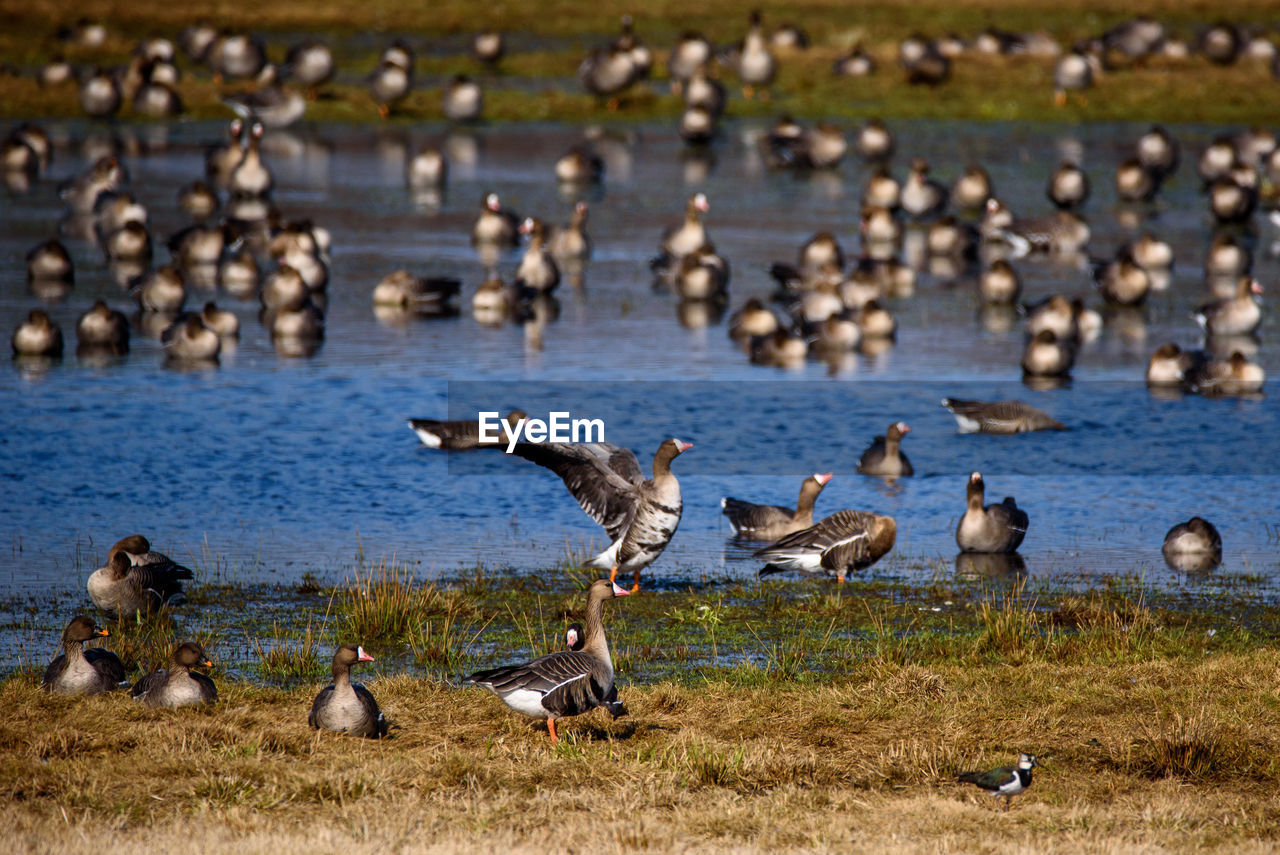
pixel 272 466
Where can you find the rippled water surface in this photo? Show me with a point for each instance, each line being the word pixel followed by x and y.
pixel 269 466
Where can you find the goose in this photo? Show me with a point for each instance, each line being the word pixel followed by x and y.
pixel 427 168
pixel 819 250
pixel 83 672
pixel 878 228
pixel 1234 201
pixel 999 283
pixel 100 95
pixel 269 103
pixel 1122 281
pixel 161 290
pixel 236 56
pixel 1060 232
pixel 50 261
pixel 1227 258
pixel 1047 356
pixel 178 685
pixel 537 270
pixel 1158 152
pixel 607 72
pixel 402 288
pixel 579 165
pixel 838 334
pixel 131 242
pixel 1068 186
pixel 994 528
pixel 875 321
pixel 1073 71
pixel 972 189
pixel 704 91
pixel 756 64
pixel 639 514
pixel 221 160
pixel 310 65
pixel 38 335
pixel 106 175
pixel 702 275
pixel 238 274
pixel 690 235
pixel 564 683
pixel 884 457
pixel 462 434
pixel 1234 376
pixel 1053 314
pixel 1217 160
pixel 752 321
pixel 344 706
pixel 931 68
pixel 921 196
pixel 847 540
pixel 770 522
pixel 190 340
pixel 198 200
pixel 103 327
pixel 134 582
pixel 874 142
pixel 488 47
pixel 882 190
pixel 690 54
pixel 783 349
pixel 492 301
pixel 392 80
pixel 1192 545
pixel 1005 782
pixel 1238 315
pixel 572 243
pixel 157 99
pixel 222 322
pixel 463 99
pixel 1170 365
pixel 697 126
pixel 1220 43
pixel 1151 254
pixel 198 245
pixel 251 177
pixel 821 147
pixel 999 417
pixel 496 226
pixel 854 62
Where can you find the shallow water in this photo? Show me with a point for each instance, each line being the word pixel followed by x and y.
pixel 269 467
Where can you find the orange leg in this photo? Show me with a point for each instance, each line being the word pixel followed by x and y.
pixel 636 581
pixel 551 728
pixel 383 111
pixel 1060 98
pixel 613 574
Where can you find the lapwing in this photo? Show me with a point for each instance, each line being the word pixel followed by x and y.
pixel 1007 781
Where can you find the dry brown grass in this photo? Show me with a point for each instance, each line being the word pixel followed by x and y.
pixel 1172 755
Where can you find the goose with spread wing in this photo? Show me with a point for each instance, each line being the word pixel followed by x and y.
pixel 846 540
pixel 566 682
pixel 640 514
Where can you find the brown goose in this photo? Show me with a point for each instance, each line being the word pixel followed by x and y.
pixel 1238 315
pixel 770 522
pixel 1192 545
pixel 1235 376
pixel 566 682
pixel 344 706
pixel 1122 281
pixel 178 685
pixel 999 417
pixel 462 434
pixel 994 528
pixel 846 540
pixel 575 638
pixel 136 579
pixel 884 457
pixel 1068 186
pixel 640 514
pixel 83 672
pixel 38 335
pixel 1048 356
pixel 538 270
pixel 496 226
pixel 689 235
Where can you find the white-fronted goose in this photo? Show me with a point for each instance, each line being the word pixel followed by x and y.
pixel 1232 200
pixel 269 103
pixel 38 335
pixel 1053 314
pixel 574 637
pixel 427 168
pixel 820 147
pixel 251 177
pixel 999 283
pixel 1238 315
pixel 994 528
pixel 236 56
pixel 344 706
pixel 310 65
pixel 1158 151
pixel 222 322
pixel 1122 281
pixel 1048 356
pixel 922 196
pixel 1194 545
pixel 999 417
pixel 50 261
pixel 392 80
pixel 566 682
pixel 697 125
pixel 1072 72
pixel 690 54
pixel 639 514
pixel 1170 365
pixel 489 47
pixel 1060 232
pixel 783 349
pixel 874 141
pixel 221 160
pixel 463 99
pixel 884 457
pixel 136 580
pixel 1068 186
pixel 704 91
pixel 100 94
pixel 690 235
pixel 843 542
pixel 1151 254
pixel 875 321
pixel 1216 160
pixel 178 685
pixel 131 242
pixel 402 288
pixel 83 672
pixel 972 189
pixel 572 243
pixel 190 340
pixel 820 250
pixel 103 327
pixel 756 64
pixel 1234 376
pixel 198 200
pixel 752 321
pixel 461 434
pixel 537 271
pixel 579 165
pixel 1227 258
pixel 854 62
pixel 882 190
pixel 770 522
pixel 607 72
pixel 496 226
pixel 702 275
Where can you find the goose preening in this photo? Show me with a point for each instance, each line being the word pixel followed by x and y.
pixel 135 579
pixel 78 671
pixel 344 706
pixel 640 514
pixel 461 434
pixel 999 417
pixel 178 685
pixel 566 682
pixel 1194 545
pixel 770 522
pixel 884 457
pixel 1005 782
pixel 994 528
pixel 422 293
pixel 1234 376
pixel 846 540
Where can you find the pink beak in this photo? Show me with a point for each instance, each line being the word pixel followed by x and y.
pixel 903 427
pixel 1256 286
pixel 822 479
pixel 683 446
pixel 361 656
pixel 700 202
pixel 619 591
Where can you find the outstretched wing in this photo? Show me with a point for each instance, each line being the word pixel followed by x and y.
pixel 601 476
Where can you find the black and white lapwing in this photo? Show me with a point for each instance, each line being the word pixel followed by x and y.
pixel 1006 781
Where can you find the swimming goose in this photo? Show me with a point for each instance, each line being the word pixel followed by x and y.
pixel 132 583
pixel 537 270
pixel 178 685
pixel 50 261
pixel 83 672
pixel 1234 376
pixel 495 226
pixel 579 165
pixel 922 196
pixel 640 514
pixel 1158 152
pixel 994 528
pixel 770 522
pixel 1192 545
pixel 38 335
pixel 190 340
pixel 1238 315
pixel 884 457
pixel 461 434
pixel 1047 356
pixel 463 99
pixel 690 235
pixel 847 540
pixel 999 283
pixel 874 142
pixel 344 706
pixel 103 327
pixel 1005 782
pixel 566 682
pixel 402 288
pixel 1068 186
pixel 488 47
pixel 972 189
pixel 999 417
pixel 572 243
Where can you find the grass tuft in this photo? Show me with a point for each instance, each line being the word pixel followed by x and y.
pixel 383 604
pixel 289 656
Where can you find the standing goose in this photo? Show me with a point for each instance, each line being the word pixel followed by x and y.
pixel 999 417
pixel 846 540
pixel 770 522
pixel 691 234
pixel 462 434
pixel 344 706
pixel 83 672
pixel 1238 315
pixel 392 80
pixel 136 579
pixel 463 99
pixel 1005 782
pixel 1192 545
pixel 640 514
pixel 572 243
pixel 496 226
pixel 922 196
pixel 575 638
pixel 178 685
pixel 884 457
pixel 756 65
pixel 566 682
pixel 538 270
pixel 994 528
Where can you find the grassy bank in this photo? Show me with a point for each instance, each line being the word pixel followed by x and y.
pixel 537 83
pixel 779 716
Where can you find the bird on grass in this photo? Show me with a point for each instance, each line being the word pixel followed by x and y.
pixel 344 706
pixel 83 672
pixel 1006 781
pixel 178 685
pixel 566 682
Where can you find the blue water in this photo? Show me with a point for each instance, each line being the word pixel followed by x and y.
pixel 269 467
